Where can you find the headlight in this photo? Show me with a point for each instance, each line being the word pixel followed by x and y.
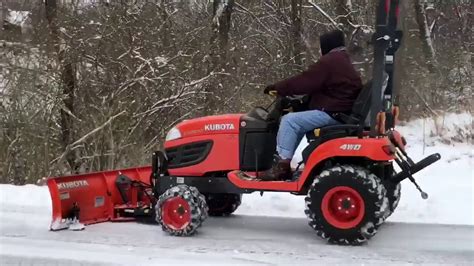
pixel 173 134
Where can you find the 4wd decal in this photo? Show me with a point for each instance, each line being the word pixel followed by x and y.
pixel 218 127
pixel 73 184
pixel 350 147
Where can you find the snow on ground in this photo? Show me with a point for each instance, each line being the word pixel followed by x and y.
pixel 235 240
pixel 449 182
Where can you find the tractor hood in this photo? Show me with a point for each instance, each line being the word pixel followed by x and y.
pixel 209 125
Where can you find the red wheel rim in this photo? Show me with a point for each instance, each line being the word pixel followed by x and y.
pixel 176 213
pixel 343 207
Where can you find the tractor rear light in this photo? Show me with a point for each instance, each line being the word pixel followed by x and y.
pixel 173 134
pixel 389 149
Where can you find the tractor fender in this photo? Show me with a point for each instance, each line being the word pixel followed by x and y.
pixel 371 148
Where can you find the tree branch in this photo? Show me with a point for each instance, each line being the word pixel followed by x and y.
pixel 74 145
pixel 425 36
pixel 320 10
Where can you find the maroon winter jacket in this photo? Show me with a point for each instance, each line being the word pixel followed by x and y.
pixel 332 83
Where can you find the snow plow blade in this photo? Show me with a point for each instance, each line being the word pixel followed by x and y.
pixel 116 195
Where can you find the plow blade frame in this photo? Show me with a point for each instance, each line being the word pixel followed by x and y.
pixel 98 197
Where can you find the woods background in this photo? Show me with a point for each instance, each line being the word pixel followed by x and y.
pixel 94 85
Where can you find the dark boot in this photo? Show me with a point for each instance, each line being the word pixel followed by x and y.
pixel 280 171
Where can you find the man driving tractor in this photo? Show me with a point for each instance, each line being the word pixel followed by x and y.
pixel 333 85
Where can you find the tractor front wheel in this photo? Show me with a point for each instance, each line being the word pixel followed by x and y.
pixel 223 204
pixel 345 204
pixel 181 210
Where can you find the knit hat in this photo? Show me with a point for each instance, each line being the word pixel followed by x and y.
pixel 331 40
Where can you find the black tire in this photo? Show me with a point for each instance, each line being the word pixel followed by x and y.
pixel 223 204
pixel 393 197
pixel 368 192
pixel 195 205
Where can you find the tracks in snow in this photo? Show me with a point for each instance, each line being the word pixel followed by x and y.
pixel 235 239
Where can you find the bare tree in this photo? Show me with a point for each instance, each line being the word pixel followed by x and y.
pixel 3 9
pixel 296 31
pixel 68 84
pixel 344 14
pixel 425 34
pixel 221 24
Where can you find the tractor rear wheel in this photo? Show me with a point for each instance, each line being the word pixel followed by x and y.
pixel 223 204
pixel 345 204
pixel 393 196
pixel 181 210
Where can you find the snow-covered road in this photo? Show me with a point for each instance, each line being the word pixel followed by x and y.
pixel 237 239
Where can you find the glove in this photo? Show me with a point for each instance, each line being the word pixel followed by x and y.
pixel 269 89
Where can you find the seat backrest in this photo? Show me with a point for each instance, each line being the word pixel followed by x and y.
pixel 361 108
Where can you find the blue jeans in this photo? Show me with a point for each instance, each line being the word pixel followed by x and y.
pixel 294 126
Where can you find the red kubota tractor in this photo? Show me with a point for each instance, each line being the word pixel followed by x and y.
pixel 348 180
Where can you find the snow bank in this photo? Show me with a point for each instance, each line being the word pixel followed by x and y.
pixel 28 196
pixel 447 129
pixel 449 183
pixel 29 204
